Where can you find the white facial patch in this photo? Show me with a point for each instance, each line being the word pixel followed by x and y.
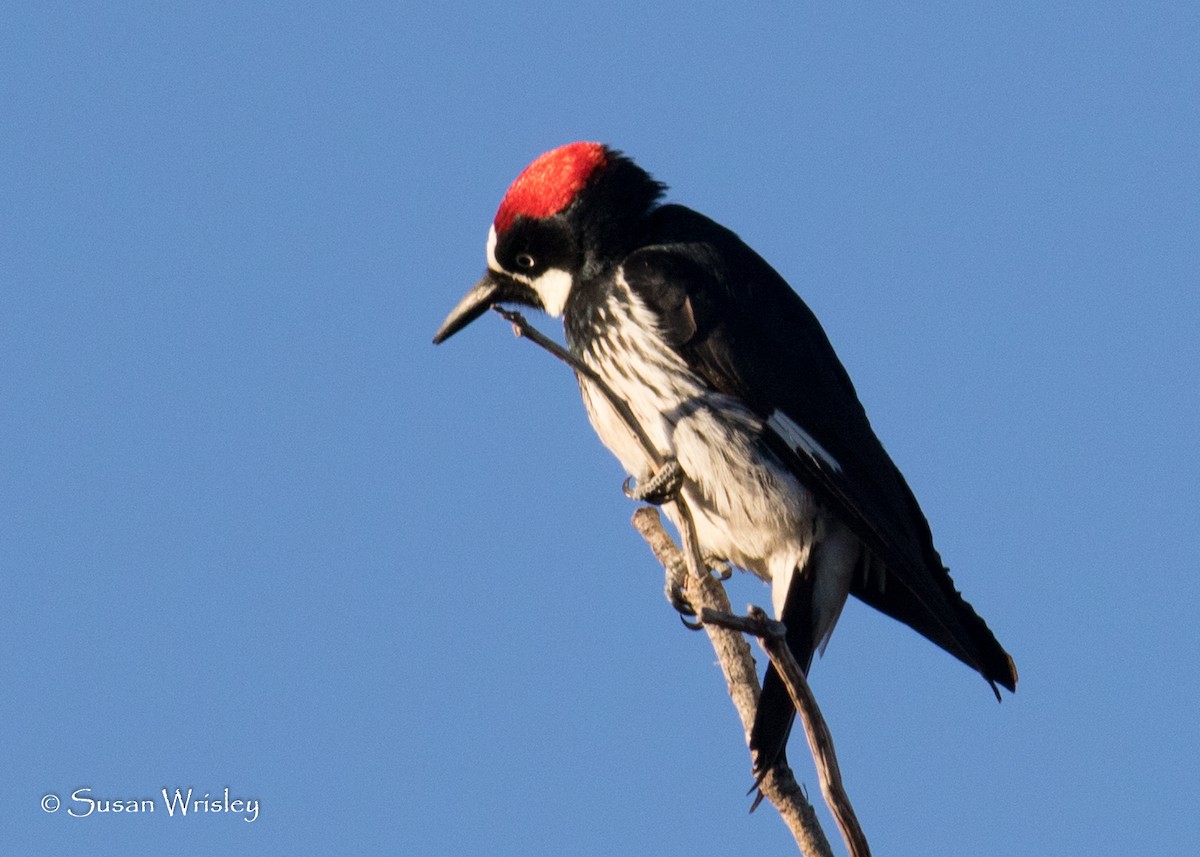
pixel 491 250
pixel 800 440
pixel 553 288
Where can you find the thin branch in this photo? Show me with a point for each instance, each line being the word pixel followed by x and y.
pixel 771 635
pixel 707 595
pixel 522 328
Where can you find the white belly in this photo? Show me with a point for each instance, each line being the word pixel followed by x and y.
pixel 749 509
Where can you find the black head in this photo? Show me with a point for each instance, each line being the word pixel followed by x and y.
pixel 570 212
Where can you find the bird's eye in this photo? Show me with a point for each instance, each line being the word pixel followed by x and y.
pixel 525 260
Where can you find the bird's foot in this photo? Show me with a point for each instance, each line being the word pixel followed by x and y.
pixel 686 610
pixel 676 588
pixel 676 592
pixel 720 567
pixel 662 487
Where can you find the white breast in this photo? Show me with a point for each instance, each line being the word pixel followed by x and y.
pixel 748 508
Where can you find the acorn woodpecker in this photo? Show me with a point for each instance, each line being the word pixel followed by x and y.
pixel 731 377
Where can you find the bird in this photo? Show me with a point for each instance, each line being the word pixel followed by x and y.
pixel 733 380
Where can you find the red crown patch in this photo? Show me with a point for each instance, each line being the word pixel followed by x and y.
pixel 548 185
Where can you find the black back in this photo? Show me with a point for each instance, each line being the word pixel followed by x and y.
pixel 742 328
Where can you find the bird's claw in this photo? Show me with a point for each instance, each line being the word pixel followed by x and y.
pixel 684 607
pixel 678 600
pixel 661 487
pixel 721 568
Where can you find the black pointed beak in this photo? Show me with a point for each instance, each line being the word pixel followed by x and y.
pixel 474 304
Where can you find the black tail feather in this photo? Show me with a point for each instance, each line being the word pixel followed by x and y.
pixel 775 714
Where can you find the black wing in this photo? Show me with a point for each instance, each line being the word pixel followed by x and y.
pixel 752 337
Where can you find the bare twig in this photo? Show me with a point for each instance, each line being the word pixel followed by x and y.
pixel 771 635
pixel 707 596
pixel 522 328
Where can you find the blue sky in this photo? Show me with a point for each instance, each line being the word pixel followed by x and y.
pixel 257 533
